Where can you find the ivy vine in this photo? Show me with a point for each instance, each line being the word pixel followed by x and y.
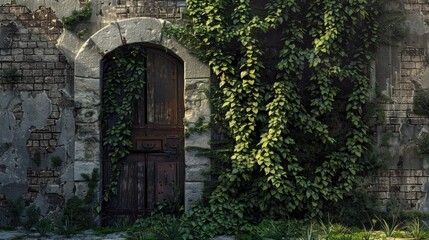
pixel 73 21
pixel 299 133
pixel 198 127
pixel 123 82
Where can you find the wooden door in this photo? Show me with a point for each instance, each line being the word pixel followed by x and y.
pixel 153 174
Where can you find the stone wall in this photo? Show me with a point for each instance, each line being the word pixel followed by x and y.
pixel 122 9
pixel 401 69
pixel 402 128
pixel 36 109
pixel 87 98
pixel 404 185
pixel 421 6
pixel 47 180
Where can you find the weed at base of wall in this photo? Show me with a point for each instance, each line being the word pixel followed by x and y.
pixel 80 213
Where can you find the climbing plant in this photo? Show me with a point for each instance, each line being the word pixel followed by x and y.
pixel 123 82
pixel 77 17
pixel 293 79
pixel 75 21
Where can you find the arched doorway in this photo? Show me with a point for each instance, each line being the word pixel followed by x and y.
pixel 87 99
pixel 152 175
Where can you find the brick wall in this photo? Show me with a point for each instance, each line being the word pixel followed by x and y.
pixel 41 67
pixel 148 8
pixel 38 179
pixel 400 130
pixel 399 108
pixel 417 5
pixel 404 185
pixel 413 63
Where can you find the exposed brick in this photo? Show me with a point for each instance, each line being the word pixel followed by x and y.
pixel 37 136
pixel 44 143
pixel 406 173
pixel 395 180
pixel 50 65
pixel 31 173
pixel 410 195
pixel 405 184
pixel 5 58
pixel 37 73
pixel 50 58
pixel 411 180
pixel 415 58
pixel 419 65
pixel 383 195
pixel 50 122
pixel 17 51
pixel 47 135
pixel 32 44
pixel 42 44
pixel 55 114
pixel 422 180
pixel 383 180
pixel 408 65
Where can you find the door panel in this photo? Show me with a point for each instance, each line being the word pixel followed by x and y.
pixel 163 178
pixel 132 182
pixel 161 89
pixel 165 181
pixel 149 144
pixel 154 171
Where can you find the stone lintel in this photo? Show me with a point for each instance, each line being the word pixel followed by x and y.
pixel 142 29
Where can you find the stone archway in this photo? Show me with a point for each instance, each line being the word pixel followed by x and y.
pixel 87 98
